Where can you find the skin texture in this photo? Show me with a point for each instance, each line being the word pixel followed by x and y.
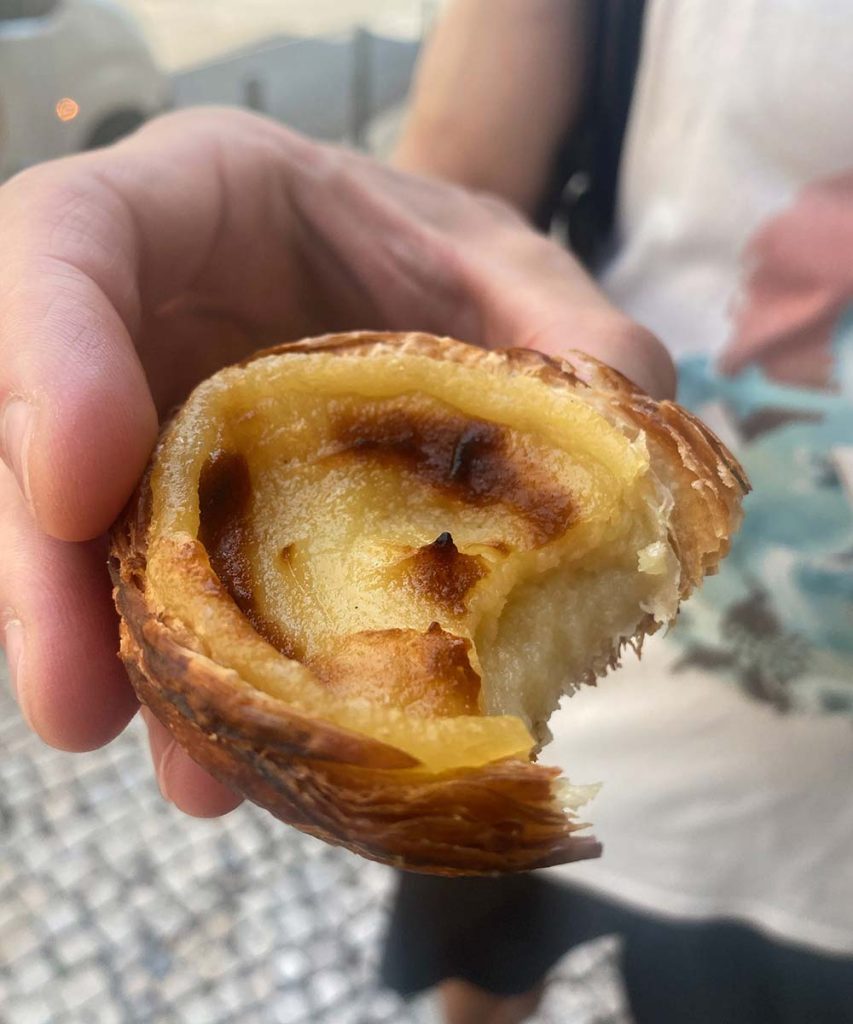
pixel 464 1003
pixel 131 273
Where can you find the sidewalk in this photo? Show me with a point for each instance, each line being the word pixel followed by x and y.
pixel 117 909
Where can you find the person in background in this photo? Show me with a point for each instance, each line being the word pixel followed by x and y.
pixel 130 273
pixel 708 152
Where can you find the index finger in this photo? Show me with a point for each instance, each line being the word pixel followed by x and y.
pixel 92 246
pixel 77 418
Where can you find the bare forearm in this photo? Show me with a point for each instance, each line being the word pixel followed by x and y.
pixel 498 87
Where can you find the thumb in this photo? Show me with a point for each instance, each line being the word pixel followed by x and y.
pixel 610 337
pixel 543 299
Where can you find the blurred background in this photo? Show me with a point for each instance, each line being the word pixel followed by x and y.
pixel 115 908
pixel 81 73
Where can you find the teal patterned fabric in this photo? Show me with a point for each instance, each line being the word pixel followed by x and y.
pixel 778 620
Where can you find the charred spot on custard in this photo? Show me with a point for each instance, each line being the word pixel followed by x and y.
pixel 224 502
pixel 440 572
pixel 286 554
pixel 470 459
pixel 426 674
pixel 224 497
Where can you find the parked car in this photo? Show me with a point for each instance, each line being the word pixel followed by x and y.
pixel 74 74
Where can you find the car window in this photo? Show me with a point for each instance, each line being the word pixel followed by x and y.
pixel 26 8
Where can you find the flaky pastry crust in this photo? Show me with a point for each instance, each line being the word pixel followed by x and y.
pixel 354 789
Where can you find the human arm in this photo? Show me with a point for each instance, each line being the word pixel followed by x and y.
pixel 498 88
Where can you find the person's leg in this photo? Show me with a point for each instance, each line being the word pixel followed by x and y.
pixel 489 943
pixel 464 1003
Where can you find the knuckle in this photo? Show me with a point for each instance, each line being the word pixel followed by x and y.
pixel 217 123
pixel 644 356
pixel 635 335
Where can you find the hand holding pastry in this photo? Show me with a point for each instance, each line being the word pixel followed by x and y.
pixel 132 273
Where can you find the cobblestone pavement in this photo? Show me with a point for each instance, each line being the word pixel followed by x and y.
pixel 117 909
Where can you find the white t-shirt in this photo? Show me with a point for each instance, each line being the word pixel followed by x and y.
pixel 727 753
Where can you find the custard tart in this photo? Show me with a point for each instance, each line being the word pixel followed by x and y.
pixel 361 571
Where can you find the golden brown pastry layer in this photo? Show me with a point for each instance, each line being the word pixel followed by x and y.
pixel 361 571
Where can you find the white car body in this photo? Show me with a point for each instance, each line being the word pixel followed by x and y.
pixel 73 74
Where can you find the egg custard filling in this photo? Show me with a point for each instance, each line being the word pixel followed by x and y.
pixel 426 553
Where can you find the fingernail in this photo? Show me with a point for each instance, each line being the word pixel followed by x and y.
pixel 160 744
pixel 15 428
pixel 14 644
pixel 163 771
